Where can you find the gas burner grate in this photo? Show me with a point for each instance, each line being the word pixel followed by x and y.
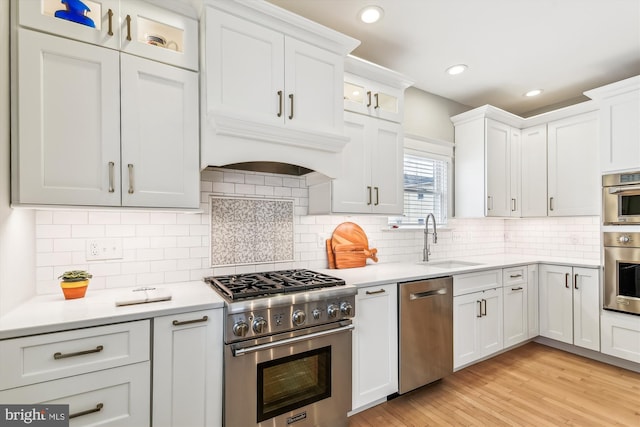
pixel 256 285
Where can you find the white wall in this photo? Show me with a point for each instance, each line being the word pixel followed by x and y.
pixel 17 239
pixel 165 247
pixel 428 115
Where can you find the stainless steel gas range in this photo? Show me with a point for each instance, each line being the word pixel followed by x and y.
pixel 287 356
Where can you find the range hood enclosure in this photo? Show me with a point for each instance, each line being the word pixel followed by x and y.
pixel 272 87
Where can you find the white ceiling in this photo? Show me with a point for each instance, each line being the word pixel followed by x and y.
pixel 564 47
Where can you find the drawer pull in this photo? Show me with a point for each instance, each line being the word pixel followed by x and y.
pixel 98 408
pixel 188 322
pixel 515 276
pixel 381 291
pixel 519 288
pixel 59 355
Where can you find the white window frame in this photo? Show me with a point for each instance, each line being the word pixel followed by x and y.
pixel 432 149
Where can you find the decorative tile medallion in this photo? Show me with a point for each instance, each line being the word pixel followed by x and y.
pixel 250 230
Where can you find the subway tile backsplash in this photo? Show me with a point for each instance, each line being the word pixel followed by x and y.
pixel 167 247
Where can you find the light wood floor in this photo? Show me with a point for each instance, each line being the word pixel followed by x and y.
pixel 533 385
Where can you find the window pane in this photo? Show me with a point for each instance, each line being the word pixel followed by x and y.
pixel 425 190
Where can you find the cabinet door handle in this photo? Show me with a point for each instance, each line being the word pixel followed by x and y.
pixel 550 203
pixel 513 205
pixel 110 26
pixel 280 101
pixel 489 203
pixel 130 166
pixel 377 190
pixel 58 355
pixel 479 309
pixel 368 98
pixel 377 101
pixel 369 190
pixel 111 167
pixel 381 291
pixel 291 105
pixel 188 322
pixel 519 288
pixel 575 281
pixel 483 307
pixel 515 276
pixel 128 18
pixel 98 408
pixel 566 280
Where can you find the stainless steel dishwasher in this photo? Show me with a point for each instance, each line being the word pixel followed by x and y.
pixel 425 331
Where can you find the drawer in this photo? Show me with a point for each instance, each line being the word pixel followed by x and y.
pixel 514 276
pixel 113 397
pixel 479 281
pixel 39 358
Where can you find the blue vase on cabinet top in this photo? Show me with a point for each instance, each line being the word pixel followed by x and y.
pixel 76 11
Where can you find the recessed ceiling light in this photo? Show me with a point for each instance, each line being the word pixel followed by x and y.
pixel 534 92
pixel 371 14
pixel 456 69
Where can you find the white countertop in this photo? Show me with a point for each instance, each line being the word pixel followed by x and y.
pixel 377 274
pixel 50 313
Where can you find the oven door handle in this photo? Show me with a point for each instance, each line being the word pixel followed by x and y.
pixel 242 351
pixel 626 190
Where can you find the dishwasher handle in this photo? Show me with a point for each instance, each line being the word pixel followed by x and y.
pixel 427 294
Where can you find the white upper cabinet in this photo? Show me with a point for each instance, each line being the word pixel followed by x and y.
pixel 272 87
pixel 507 166
pixel 94 126
pixel 374 90
pixel 487 173
pixel 574 174
pixel 534 171
pixel 619 125
pixel 133 26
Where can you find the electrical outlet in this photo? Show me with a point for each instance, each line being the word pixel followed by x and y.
pixel 457 236
pixel 103 249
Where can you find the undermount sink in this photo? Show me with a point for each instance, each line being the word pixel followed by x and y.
pixel 450 263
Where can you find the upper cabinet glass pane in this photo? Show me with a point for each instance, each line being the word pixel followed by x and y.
pixel 83 12
pixel 387 102
pixel 160 34
pixel 354 93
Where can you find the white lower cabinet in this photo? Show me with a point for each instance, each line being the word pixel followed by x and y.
pixel 111 397
pixel 102 373
pixel 570 305
pixel 187 369
pixel 620 335
pixel 477 316
pixel 516 308
pixel 533 304
pixel 375 345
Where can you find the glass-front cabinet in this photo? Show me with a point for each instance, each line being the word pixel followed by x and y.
pixel 131 26
pixel 366 97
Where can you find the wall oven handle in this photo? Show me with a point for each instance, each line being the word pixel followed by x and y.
pixel 629 190
pixel 242 351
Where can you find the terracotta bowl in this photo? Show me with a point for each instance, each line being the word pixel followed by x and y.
pixel 72 290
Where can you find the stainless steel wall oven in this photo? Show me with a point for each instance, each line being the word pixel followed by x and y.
pixel 621 198
pixel 622 272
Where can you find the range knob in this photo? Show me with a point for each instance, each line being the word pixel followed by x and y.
pixel 298 317
pixel 346 308
pixel 332 310
pixel 316 313
pixel 624 238
pixel 240 328
pixel 259 325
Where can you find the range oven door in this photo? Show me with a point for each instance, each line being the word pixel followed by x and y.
pixel 622 279
pixel 298 379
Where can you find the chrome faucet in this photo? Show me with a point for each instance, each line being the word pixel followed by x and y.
pixel 426 252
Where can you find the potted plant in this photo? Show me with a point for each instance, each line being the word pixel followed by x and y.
pixel 74 283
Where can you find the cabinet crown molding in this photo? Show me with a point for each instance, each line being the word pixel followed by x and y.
pixel 623 86
pixel 372 71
